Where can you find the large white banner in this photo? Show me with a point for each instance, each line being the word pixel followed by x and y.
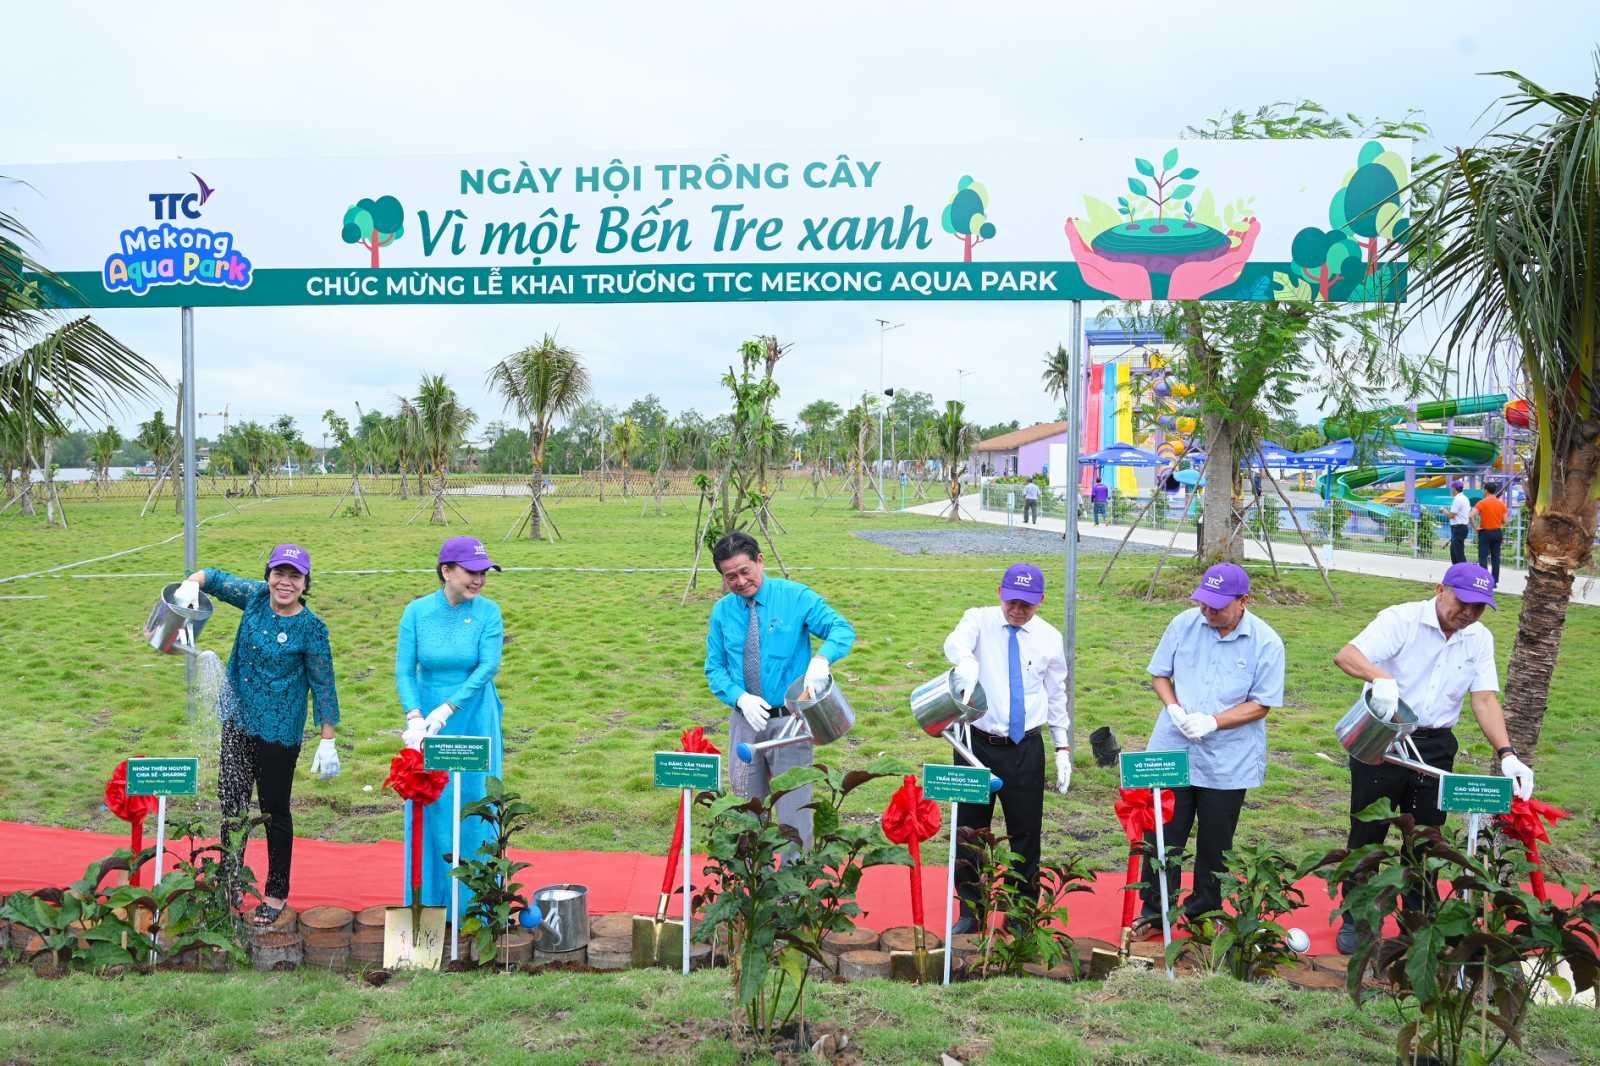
pixel 1234 220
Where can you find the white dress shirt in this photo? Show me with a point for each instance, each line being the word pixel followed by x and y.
pixel 982 634
pixel 1460 513
pixel 1434 673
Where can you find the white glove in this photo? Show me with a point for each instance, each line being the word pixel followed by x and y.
pixel 1521 776
pixel 1063 771
pixel 966 678
pixel 325 763
pixel 1385 698
pixel 188 594
pixel 437 718
pixel 1198 726
pixel 817 673
pixel 416 729
pixel 1176 712
pixel 756 710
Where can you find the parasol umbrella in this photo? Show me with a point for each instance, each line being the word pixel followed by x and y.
pixel 420 787
pixel 1526 823
pixel 910 819
pixel 131 809
pixel 1136 811
pixel 650 947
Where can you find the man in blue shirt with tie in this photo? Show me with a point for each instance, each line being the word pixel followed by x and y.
pixel 758 643
pixel 1018 658
pixel 1218 670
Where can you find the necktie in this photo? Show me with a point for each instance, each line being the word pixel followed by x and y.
pixel 1019 714
pixel 752 654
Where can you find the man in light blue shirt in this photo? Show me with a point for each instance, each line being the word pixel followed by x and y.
pixel 1218 670
pixel 757 645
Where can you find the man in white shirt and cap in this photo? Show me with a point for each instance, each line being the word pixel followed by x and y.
pixel 1430 653
pixel 1218 670
pixel 1460 514
pixel 1018 658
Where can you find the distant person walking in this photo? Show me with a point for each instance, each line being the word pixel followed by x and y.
pixel 1098 496
pixel 1030 503
pixel 1460 514
pixel 1490 518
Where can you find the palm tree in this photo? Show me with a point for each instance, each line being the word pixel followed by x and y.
pixel 441 424
pixel 103 450
pixel 854 429
pixel 158 438
pixel 1510 252
pixel 625 441
pixel 956 438
pixel 1057 376
pixel 541 383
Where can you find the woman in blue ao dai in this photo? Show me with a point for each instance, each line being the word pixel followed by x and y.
pixel 446 659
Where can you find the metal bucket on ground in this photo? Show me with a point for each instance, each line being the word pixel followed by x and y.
pixel 173 628
pixel 936 705
pixel 565 922
pixel 1367 737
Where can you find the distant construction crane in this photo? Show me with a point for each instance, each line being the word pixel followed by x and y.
pixel 223 414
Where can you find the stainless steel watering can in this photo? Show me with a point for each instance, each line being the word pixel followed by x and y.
pixel 821 718
pixel 173 628
pixel 936 704
pixel 1366 736
pixel 564 923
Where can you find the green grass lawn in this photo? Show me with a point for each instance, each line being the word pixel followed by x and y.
pixel 603 666
pixel 652 1016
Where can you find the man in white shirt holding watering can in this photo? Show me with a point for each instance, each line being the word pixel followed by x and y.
pixel 1218 670
pixel 1430 653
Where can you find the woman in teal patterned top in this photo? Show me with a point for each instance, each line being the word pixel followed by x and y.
pixel 445 661
pixel 280 655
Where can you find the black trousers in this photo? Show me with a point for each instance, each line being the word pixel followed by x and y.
pixel 1489 541
pixel 1411 793
pixel 1458 544
pixel 248 764
pixel 1021 767
pixel 1030 511
pixel 1217 812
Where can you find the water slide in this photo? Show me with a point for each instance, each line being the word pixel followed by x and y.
pixel 1470 454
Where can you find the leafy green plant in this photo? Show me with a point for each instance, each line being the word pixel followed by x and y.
pixel 1034 927
pixel 491 878
pixel 1471 946
pixel 1243 938
pixel 776 913
pixel 1122 509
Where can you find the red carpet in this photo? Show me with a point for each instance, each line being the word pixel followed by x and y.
pixel 364 875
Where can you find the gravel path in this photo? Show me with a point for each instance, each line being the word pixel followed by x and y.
pixel 972 539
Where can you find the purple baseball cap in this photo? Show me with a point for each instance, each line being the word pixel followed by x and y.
pixel 1221 585
pixel 467 552
pixel 1471 583
pixel 1023 581
pixel 1458 485
pixel 291 555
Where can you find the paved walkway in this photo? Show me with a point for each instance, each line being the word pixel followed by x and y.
pixel 1585 590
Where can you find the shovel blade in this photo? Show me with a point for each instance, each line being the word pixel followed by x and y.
pixel 669 944
pixel 919 967
pixel 646 934
pixel 413 939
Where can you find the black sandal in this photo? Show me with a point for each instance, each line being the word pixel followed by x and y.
pixel 265 914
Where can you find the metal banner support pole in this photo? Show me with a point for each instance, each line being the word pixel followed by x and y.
pixel 191 547
pixel 688 903
pixel 455 861
pixel 1161 879
pixel 1069 631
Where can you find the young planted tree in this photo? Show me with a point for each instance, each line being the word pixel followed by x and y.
pixel 542 383
pixel 1515 240
pixel 956 438
pixel 855 430
pixel 626 439
pixel 440 425
pixel 103 447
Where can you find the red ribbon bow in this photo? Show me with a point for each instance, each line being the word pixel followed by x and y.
pixel 694 741
pixel 131 809
pixel 1526 823
pixel 910 819
pixel 411 781
pixel 1137 813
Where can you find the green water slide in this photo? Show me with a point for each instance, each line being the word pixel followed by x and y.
pixel 1469 453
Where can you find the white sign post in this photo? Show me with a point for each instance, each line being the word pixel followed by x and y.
pixel 456 754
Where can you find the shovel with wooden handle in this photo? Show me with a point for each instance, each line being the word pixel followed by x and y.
pixel 659 940
pixel 910 819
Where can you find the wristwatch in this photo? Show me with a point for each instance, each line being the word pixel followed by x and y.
pixel 1501 753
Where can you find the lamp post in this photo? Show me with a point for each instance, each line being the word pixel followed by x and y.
pixel 884 326
pixel 960 374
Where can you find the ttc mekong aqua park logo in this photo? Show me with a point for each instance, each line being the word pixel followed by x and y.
pixel 168 254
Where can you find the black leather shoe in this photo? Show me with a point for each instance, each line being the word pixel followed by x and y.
pixel 964 924
pixel 1348 942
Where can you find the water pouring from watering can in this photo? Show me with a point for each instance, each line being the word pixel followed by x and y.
pixel 175 621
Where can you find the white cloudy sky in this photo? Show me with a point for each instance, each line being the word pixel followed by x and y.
pixel 164 80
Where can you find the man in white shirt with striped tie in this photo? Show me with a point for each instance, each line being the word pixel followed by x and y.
pixel 1018 658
